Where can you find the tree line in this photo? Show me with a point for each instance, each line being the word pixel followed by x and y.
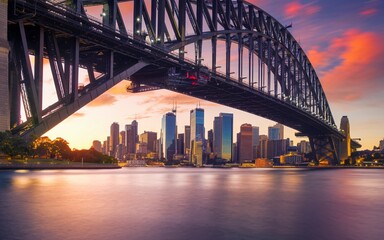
pixel 15 146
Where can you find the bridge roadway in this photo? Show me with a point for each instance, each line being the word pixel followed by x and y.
pixel 144 64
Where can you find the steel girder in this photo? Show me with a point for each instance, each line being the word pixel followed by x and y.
pixel 63 33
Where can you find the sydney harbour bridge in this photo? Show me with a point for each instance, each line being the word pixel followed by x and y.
pixel 225 51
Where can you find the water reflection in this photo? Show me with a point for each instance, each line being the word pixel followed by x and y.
pixel 160 203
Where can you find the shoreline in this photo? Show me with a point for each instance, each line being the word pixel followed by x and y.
pixel 113 166
pixel 56 166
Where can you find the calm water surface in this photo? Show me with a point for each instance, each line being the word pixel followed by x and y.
pixel 183 203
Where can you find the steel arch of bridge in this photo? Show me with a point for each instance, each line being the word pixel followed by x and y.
pixel 275 80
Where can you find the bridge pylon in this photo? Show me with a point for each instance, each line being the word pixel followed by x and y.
pixel 4 50
pixel 325 149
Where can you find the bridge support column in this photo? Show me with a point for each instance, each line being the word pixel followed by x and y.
pixel 324 149
pixel 4 82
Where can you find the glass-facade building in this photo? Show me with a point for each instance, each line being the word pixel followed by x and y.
pixel 273 133
pixel 168 136
pixel 197 133
pixel 223 136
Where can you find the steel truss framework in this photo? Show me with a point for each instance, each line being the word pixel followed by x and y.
pixel 265 71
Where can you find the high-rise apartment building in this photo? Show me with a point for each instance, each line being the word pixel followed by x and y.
pixel 114 137
pixel 197 133
pixel 245 143
pixel 223 136
pixel 168 136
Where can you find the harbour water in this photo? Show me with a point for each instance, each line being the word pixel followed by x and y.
pixel 191 203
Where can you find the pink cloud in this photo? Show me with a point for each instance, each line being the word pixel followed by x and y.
pixel 368 12
pixel 296 8
pixel 359 71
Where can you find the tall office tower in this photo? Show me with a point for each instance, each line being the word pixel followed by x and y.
pixel 223 136
pixel 197 133
pixel 96 144
pixel 345 145
pixel 4 81
pixel 114 138
pixel 180 144
pixel 255 141
pixel 187 139
pixel 276 148
pixel 131 137
pixel 119 152
pixel 281 130
pixel 105 148
pixel 109 146
pixel 168 136
pixel 273 133
pixel 235 154
pixel 122 137
pixel 262 149
pixel 245 143
pixel 150 138
pixel 210 142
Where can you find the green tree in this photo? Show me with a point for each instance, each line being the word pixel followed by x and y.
pixel 60 148
pixel 13 145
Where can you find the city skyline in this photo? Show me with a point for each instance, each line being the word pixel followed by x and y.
pixel 342 42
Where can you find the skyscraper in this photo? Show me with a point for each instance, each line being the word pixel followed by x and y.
pixel 150 139
pixel 281 130
pixel 345 145
pixel 180 144
pixel 131 137
pixel 168 136
pixel 114 138
pixel 245 143
pixel 255 140
pixel 210 141
pixel 262 149
pixel 197 133
pixel 223 136
pixel 187 139
pixel 276 132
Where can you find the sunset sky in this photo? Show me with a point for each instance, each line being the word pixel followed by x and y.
pixel 343 40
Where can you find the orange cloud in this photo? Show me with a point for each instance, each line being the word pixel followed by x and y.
pixel 78 114
pixel 295 8
pixel 105 99
pixel 368 12
pixel 360 67
pixel 318 58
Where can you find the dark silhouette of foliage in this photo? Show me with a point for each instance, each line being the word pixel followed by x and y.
pixel 13 145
